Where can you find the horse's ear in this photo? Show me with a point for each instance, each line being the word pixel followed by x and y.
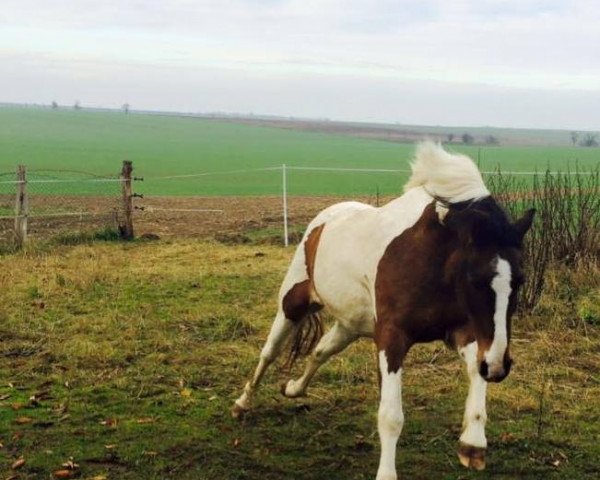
pixel 523 224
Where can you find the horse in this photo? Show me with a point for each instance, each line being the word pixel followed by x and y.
pixel 441 262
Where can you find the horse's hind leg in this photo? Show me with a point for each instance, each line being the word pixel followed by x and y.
pixel 333 342
pixel 280 331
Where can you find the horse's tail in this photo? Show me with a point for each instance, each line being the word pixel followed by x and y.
pixel 308 333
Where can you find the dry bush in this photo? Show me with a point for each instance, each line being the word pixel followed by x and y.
pixel 567 226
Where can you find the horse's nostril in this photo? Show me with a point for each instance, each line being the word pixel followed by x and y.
pixel 483 369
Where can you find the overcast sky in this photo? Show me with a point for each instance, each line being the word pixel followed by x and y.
pixel 521 63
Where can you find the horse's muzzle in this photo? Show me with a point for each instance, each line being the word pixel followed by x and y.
pixel 498 374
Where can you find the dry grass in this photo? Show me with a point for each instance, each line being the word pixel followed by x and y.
pixel 133 354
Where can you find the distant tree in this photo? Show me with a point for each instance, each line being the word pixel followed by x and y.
pixel 54 105
pixel 574 137
pixel 491 140
pixel 77 105
pixel 467 138
pixel 450 137
pixel 125 108
pixel 589 140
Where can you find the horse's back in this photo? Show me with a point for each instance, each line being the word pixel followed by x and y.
pixel 336 212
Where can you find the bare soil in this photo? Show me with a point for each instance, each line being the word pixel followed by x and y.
pixel 227 216
pixel 228 219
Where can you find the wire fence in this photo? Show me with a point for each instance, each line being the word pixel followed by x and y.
pixel 269 204
pixel 50 203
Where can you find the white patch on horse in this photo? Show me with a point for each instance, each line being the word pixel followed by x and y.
pixel 475 415
pixel 501 286
pixel 390 418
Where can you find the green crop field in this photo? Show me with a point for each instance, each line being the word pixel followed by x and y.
pixel 96 142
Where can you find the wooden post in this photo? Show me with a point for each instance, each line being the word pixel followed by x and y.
pixel 126 222
pixel 21 206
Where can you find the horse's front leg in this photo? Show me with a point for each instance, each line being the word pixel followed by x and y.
pixel 390 417
pixel 473 443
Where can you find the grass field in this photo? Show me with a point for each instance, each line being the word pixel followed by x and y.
pixel 96 142
pixel 126 359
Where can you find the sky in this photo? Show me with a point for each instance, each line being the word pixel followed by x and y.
pixel 506 63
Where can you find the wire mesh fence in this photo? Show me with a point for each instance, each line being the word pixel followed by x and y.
pixel 57 202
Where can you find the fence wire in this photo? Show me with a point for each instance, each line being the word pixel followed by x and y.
pixel 60 202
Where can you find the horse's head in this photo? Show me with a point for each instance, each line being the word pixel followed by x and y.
pixel 488 277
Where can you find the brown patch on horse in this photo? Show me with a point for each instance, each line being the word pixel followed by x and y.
pixel 310 254
pixel 299 306
pixel 298 301
pixel 414 292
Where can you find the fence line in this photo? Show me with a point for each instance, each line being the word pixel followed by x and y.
pixel 203 174
pixel 92 180
pixel 353 170
pixel 41 197
pixel 22 210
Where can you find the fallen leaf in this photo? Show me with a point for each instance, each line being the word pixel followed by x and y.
pixel 18 463
pixel 146 420
pixel 110 447
pixel 150 453
pixel 99 477
pixel 23 420
pixel 4 397
pixel 236 442
pixel 64 474
pixel 17 405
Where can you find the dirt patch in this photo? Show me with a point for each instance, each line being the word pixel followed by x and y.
pixel 229 219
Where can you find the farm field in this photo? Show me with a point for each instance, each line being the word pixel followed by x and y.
pixel 125 359
pixel 96 142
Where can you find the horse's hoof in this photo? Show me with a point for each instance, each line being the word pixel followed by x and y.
pixel 471 457
pixel 287 390
pixel 238 412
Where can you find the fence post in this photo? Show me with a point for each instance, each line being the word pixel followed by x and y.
pixel 21 206
pixel 286 241
pixel 126 221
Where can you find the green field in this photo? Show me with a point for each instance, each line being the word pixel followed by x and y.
pixel 96 142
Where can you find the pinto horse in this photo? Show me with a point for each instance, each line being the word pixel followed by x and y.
pixel 441 262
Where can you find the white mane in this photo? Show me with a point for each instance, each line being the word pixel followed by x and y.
pixel 451 176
